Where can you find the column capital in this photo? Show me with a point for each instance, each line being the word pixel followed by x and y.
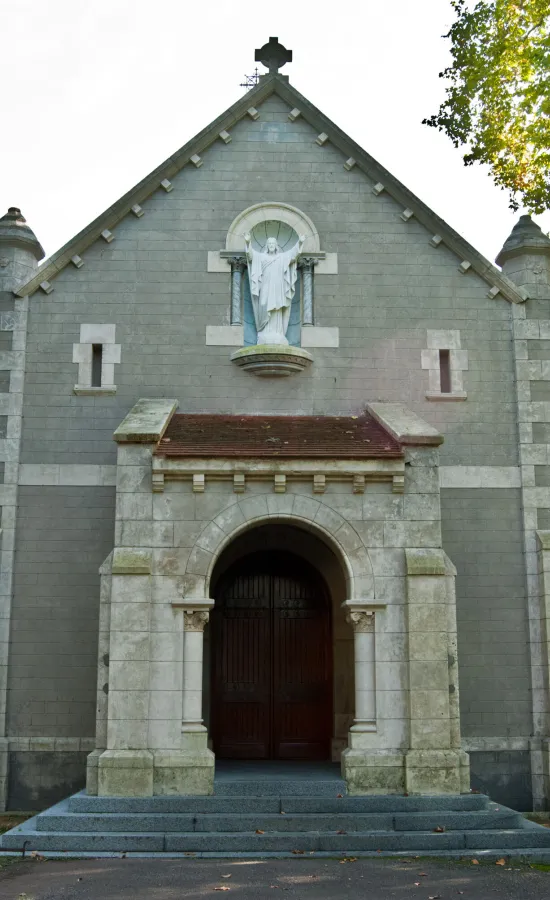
pixel 237 261
pixel 361 620
pixel 307 261
pixel 195 620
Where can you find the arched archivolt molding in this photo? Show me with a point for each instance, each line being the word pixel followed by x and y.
pixel 328 525
pixel 265 212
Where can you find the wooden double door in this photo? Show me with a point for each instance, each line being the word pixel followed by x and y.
pixel 271 661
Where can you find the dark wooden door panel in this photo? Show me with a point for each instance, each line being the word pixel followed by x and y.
pixel 272 662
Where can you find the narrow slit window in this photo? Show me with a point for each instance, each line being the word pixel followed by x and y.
pixel 445 371
pixel 97 362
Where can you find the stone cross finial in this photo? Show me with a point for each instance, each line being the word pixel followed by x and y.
pixel 273 55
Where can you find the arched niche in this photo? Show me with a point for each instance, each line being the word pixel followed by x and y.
pixel 265 219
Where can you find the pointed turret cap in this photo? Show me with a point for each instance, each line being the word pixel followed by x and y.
pixel 525 237
pixel 14 232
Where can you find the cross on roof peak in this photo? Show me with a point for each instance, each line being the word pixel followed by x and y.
pixel 273 55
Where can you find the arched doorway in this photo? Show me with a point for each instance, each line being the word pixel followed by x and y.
pixel 271 660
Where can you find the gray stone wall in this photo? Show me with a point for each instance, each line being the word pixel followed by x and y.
pixel 152 282
pixel 504 775
pixel 63 536
pixel 482 535
pixel 38 779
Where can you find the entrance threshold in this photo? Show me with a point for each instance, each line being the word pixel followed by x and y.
pixel 275 778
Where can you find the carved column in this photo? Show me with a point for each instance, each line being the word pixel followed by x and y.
pixel 362 622
pixel 306 265
pixel 238 265
pixel 193 634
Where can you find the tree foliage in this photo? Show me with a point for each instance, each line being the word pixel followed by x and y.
pixel 497 101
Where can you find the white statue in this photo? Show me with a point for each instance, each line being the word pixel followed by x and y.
pixel 272 284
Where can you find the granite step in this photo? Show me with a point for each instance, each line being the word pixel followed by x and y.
pixel 388 803
pixel 88 843
pixel 268 823
pixel 219 826
pixel 279 787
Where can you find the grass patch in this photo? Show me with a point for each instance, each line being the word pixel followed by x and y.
pixel 541 818
pixel 10 820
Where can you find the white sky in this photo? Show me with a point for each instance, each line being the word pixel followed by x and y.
pixel 97 94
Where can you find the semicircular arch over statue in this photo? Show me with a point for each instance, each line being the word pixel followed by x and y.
pixel 250 218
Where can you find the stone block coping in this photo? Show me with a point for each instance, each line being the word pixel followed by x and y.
pixel 146 422
pixel 404 425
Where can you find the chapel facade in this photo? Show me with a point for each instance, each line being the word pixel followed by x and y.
pixel 276 480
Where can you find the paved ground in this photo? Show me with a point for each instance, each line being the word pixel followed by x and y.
pixel 175 879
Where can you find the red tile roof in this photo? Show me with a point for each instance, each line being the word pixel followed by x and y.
pixel 339 437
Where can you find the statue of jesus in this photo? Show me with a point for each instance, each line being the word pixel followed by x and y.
pixel 272 284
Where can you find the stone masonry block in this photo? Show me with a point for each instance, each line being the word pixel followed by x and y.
pixel 425 562
pixel 329 519
pixel 129 561
pixel 424 619
pixel 412 534
pixel 211 538
pixel 199 561
pixel 135 506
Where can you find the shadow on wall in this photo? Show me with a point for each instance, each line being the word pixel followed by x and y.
pixel 53 777
pixel 505 776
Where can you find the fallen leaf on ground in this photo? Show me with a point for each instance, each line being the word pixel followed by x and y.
pixel 339 796
pixel 259 831
pixel 348 859
pixel 298 852
pixel 500 862
pixel 475 862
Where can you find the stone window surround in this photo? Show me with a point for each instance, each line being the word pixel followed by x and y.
pixel 91 334
pixel 458 360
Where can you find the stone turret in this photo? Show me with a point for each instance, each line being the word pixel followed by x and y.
pixel 20 251
pixel 525 258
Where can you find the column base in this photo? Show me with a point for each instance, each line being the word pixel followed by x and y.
pixel 369 772
pixel 92 772
pixel 188 773
pixel 434 771
pixel 125 773
pixel 4 769
pixel 464 771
